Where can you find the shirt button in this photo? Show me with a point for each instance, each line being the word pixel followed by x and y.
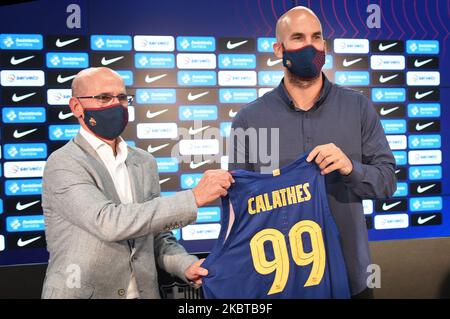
pixel 121 292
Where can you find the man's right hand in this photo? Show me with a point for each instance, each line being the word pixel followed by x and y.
pixel 211 186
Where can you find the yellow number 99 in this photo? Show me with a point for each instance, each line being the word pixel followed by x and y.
pixel 280 263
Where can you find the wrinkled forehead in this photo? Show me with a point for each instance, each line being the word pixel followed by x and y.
pixel 301 22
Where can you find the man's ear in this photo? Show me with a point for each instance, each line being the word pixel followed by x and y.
pixel 76 107
pixel 325 49
pixel 278 49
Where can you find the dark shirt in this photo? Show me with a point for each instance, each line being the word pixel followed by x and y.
pixel 341 116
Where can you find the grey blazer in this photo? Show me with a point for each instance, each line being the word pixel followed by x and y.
pixel 88 230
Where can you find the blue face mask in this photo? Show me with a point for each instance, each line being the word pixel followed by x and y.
pixel 107 122
pixel 306 62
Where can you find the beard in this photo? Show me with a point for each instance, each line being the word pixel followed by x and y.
pixel 301 82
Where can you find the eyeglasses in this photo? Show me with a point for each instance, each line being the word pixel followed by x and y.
pixel 104 99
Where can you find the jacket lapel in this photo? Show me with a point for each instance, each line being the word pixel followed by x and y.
pixel 98 165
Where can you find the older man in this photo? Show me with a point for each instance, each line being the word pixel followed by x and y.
pixel 106 225
pixel 337 126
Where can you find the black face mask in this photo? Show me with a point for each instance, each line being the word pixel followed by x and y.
pixel 107 122
pixel 306 62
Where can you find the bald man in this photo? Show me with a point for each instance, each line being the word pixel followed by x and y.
pixel 337 127
pixel 105 222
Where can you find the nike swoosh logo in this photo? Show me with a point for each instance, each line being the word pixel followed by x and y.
pixel 346 63
pixel 19 205
pixel 193 97
pixel 422 95
pixel 397 171
pixel 163 180
pixel 421 189
pixel 387 207
pixel 386 79
pixel 193 165
pixel 151 115
pixel 15 61
pixel 109 61
pixel 22 243
pixel 151 149
pixel 231 46
pixel 384 112
pixel 382 47
pixel 16 134
pixel 420 127
pixel 16 98
pixel 61 44
pixel 232 113
pixel 272 63
pixel 418 64
pixel 151 79
pixel 61 79
pixel 63 116
pixel 198 130
pixel 421 220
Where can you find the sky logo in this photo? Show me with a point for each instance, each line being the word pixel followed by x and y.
pixel 22 78
pixel 23 115
pixel 67 60
pixel 388 95
pixel 421 204
pixel 237 61
pixel 25 223
pixel 154 60
pixel 25 151
pixel 422 47
pixel 270 78
pixel 237 95
pixel 396 142
pixel 62 132
pixel 157 130
pixel 196 61
pixel 352 78
pixel 423 78
pixel 24 169
pixel 167 164
pixel 418 173
pixel 387 62
pixel 189 181
pixel 127 77
pixel 208 215
pixel 197 112
pixel 196 44
pixel 424 141
pixel 111 42
pixel 156 96
pixel 424 110
pixel 425 157
pixel 266 44
pixel 394 126
pixel 197 78
pixel 21 42
pixel 400 157
pixel 154 43
pixel 19 187
pixel 353 46
pixel 402 190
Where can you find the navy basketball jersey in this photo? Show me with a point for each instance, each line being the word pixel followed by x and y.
pixel 283 242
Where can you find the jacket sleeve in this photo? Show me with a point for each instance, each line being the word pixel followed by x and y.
pixel 374 177
pixel 70 190
pixel 169 254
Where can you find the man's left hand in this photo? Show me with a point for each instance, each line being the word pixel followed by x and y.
pixel 330 158
pixel 195 272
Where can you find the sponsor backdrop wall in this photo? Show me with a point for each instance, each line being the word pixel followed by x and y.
pixel 192 65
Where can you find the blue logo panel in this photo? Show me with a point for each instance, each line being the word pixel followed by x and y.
pixel 62 132
pixel 156 96
pixel 418 173
pixel 197 78
pixel 208 215
pixel 237 95
pixel 18 187
pixel 424 141
pixel 424 110
pixel 25 151
pixel 266 44
pixel 400 157
pixel 196 44
pixel 21 42
pixel 111 42
pixel 167 164
pixel 422 47
pixel 237 61
pixel 190 180
pixel 25 223
pixel 154 61
pixel 197 112
pixel 421 204
pixel 388 95
pixel 23 115
pixel 67 60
